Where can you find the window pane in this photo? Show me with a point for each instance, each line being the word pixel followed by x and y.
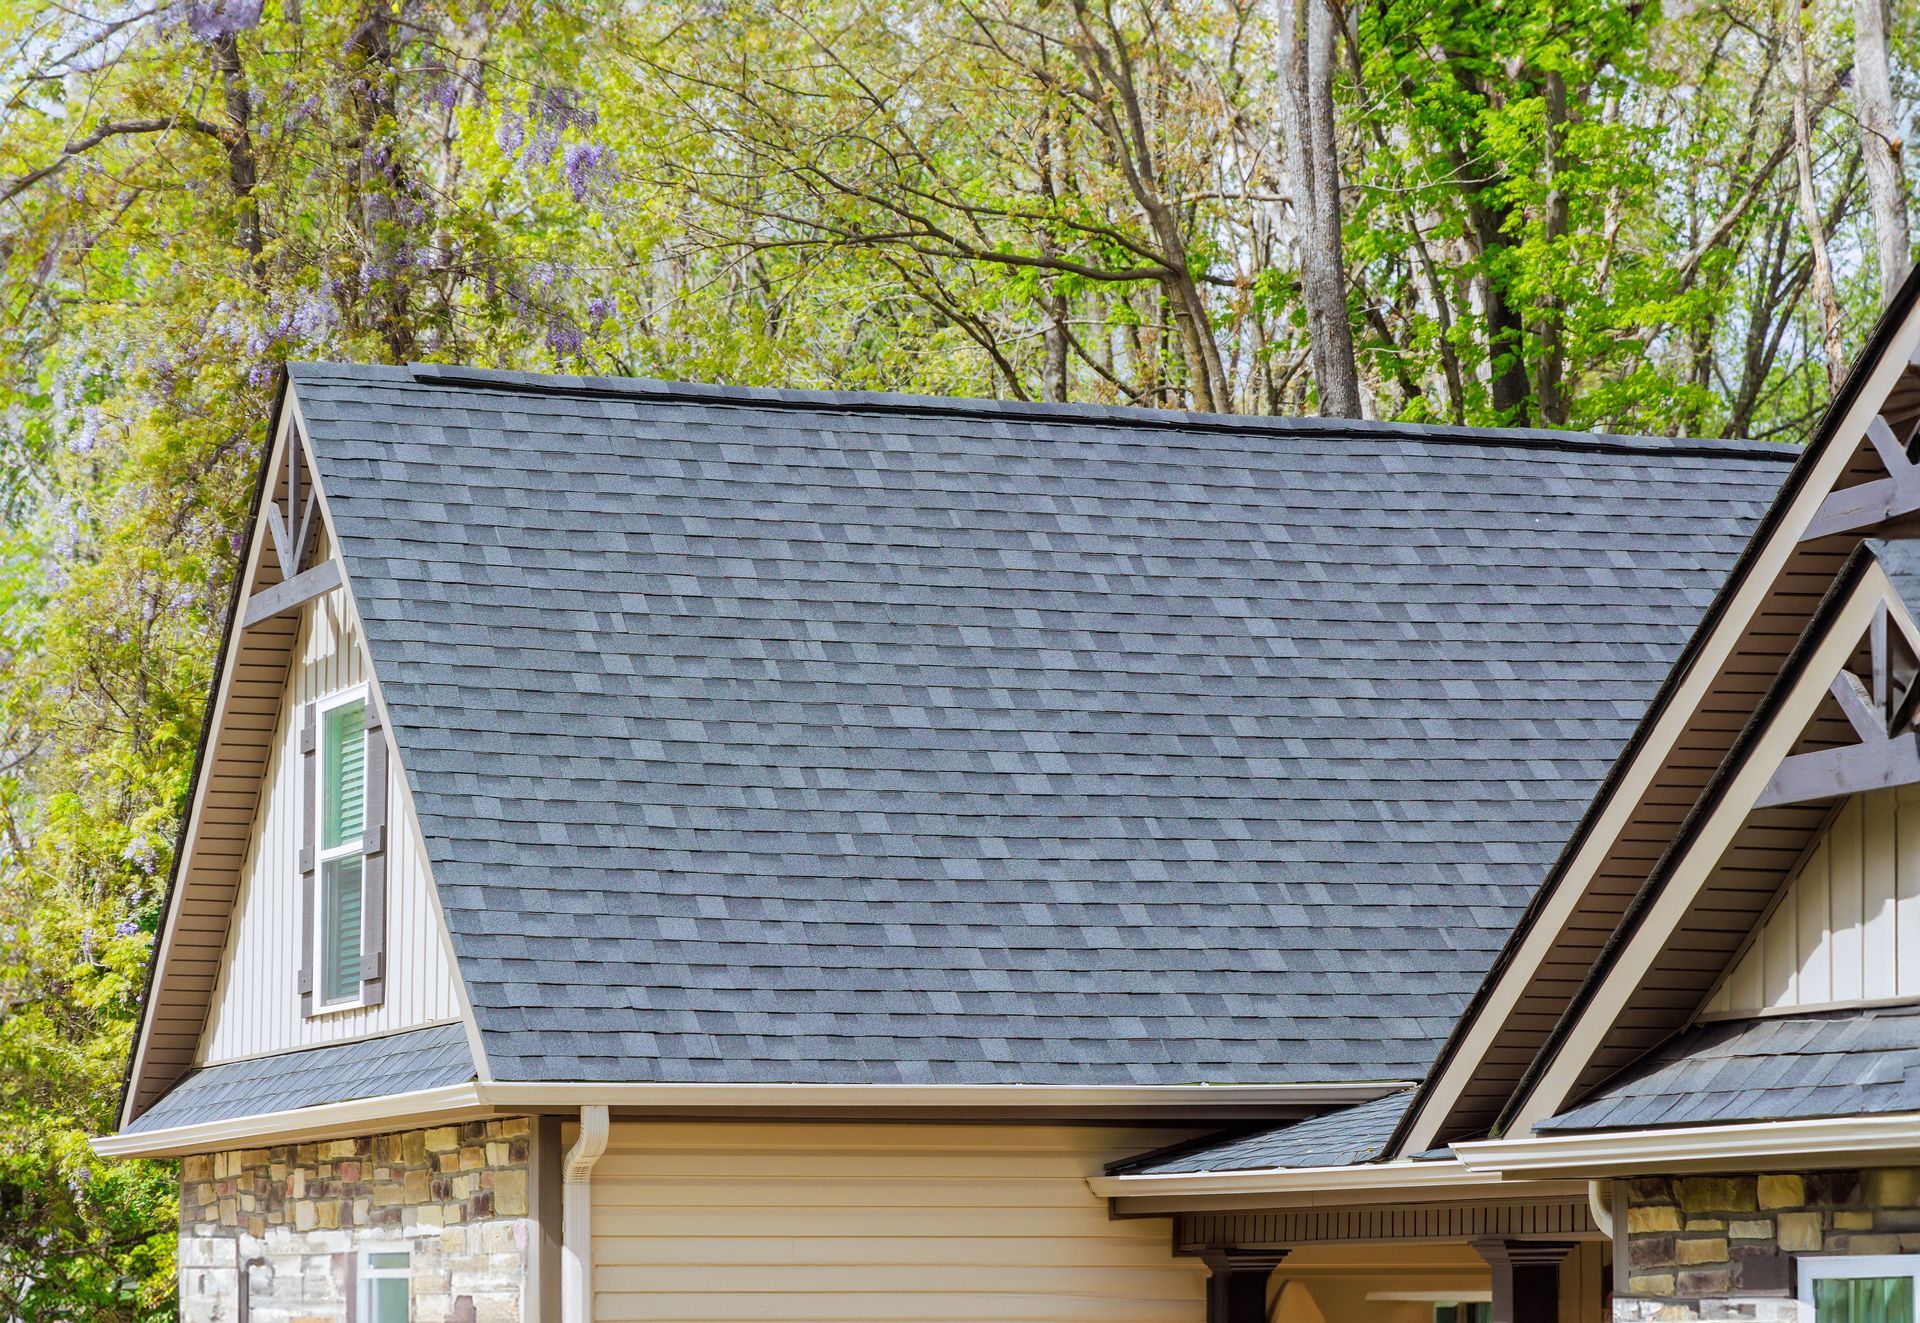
pixel 340 929
pixel 389 1298
pixel 1863 1300
pixel 344 767
pixel 398 1259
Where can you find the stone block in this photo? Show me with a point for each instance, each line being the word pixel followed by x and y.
pixel 1706 1224
pixel 1761 1269
pixel 1701 1249
pixel 1705 1281
pixel 442 1139
pixel 1854 1244
pixel 1800 1232
pixel 510 1193
pixel 1649 1190
pixel 1892 1187
pixel 1649 1251
pixel 1833 1189
pixel 1782 1192
pixel 1752 1228
pixel 1853 1219
pixel 1716 1194
pixel 1660 1283
pixel 1652 1217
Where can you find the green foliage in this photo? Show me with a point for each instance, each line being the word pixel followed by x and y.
pixel 1070 200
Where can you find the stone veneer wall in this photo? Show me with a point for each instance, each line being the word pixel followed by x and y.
pixel 455 1196
pixel 1722 1247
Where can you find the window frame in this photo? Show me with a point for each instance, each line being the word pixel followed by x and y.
pixel 1811 1268
pixel 323 855
pixel 367 1275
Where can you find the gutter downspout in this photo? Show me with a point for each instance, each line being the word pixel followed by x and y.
pixel 1600 1205
pixel 576 1216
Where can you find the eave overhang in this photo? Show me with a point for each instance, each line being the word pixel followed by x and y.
pixel 1201 1103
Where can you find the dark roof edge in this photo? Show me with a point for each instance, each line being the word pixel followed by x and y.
pixel 874 402
pixel 235 596
pixel 1896 312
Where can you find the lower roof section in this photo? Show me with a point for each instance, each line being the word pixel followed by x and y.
pixel 1860 1062
pixel 368 1068
pixel 1341 1138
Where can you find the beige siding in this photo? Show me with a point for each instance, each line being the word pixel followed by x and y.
pixel 1846 928
pixel 884 1223
pixel 256 1005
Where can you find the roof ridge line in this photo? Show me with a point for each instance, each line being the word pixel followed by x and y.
pixel 882 402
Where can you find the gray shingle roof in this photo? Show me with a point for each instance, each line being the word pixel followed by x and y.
pixel 769 737
pixel 1840 1063
pixel 1333 1139
pixel 369 1068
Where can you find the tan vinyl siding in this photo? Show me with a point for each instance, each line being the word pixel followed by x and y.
pixel 1846 927
pixel 256 1005
pixel 879 1223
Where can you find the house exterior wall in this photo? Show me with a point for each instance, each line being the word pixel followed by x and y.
pixel 825 1222
pixel 1846 928
pixel 1724 1247
pixel 456 1197
pixel 256 1004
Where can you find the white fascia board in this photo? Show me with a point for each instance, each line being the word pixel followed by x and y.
pixel 400 1111
pixel 1159 1097
pixel 1369 1180
pixel 408 1111
pixel 1772 1145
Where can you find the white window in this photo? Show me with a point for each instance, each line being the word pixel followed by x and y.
pixel 1861 1288
pixel 384 1274
pixel 342 857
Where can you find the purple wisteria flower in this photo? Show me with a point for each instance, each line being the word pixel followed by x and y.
pixel 125 928
pixel 211 20
pixel 584 162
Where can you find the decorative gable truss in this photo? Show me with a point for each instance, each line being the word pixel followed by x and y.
pixel 1837 726
pixel 293 635
pixel 1857 478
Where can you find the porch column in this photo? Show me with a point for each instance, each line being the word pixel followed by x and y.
pixel 1526 1278
pixel 1237 1282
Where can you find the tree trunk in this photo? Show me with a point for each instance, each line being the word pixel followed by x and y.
pixel 1826 303
pixel 242 169
pixel 1880 143
pixel 1555 408
pixel 1306 29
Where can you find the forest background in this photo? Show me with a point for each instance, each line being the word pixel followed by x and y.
pixel 1592 214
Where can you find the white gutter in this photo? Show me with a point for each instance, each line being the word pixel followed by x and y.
pixel 1157 1097
pixel 423 1107
pixel 576 1216
pixel 1367 1178
pixel 1694 1148
pixel 479 1098
pixel 1600 1206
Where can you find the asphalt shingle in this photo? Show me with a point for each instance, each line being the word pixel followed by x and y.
pixel 367 1068
pixel 1837 1063
pixel 1341 1138
pixel 851 739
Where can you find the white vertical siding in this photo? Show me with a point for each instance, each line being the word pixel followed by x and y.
pixel 715 1221
pixel 256 1004
pixel 1846 928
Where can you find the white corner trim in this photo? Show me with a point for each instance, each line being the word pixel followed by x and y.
pixel 423 1107
pixel 576 1215
pixel 1371 1179
pixel 1694 1148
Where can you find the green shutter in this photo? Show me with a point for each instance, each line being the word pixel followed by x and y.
pixel 340 942
pixel 1863 1300
pixel 343 762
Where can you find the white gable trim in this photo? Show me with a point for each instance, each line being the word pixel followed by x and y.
pixel 1782 730
pixel 1510 979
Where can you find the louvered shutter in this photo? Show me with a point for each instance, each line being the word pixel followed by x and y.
pixel 309 846
pixel 373 944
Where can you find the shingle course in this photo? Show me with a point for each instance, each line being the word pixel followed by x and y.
pixel 854 739
pixel 1340 1138
pixel 1840 1063
pixel 368 1068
